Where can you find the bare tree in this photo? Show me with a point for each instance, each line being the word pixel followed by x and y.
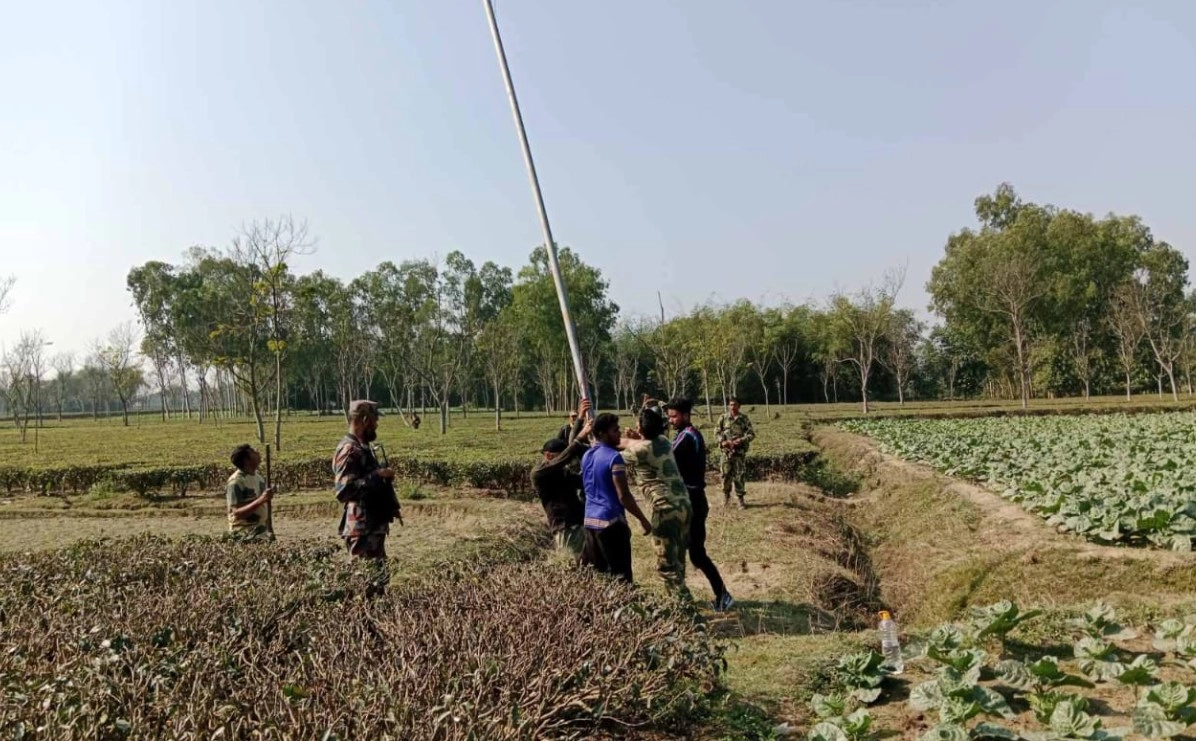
pixel 118 360
pixel 1124 324
pixel 862 320
pixel 25 368
pixel 899 352
pixel 1157 291
pixel 495 343
pixel 6 285
pixel 64 371
pixel 269 246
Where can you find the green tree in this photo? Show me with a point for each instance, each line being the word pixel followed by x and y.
pixel 536 310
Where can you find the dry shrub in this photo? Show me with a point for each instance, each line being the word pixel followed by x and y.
pixel 206 638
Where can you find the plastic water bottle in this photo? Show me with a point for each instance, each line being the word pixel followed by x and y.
pixel 890 647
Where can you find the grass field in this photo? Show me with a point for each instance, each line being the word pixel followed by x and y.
pixel 808 569
pixel 150 441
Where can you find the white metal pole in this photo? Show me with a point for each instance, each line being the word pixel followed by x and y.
pixel 554 267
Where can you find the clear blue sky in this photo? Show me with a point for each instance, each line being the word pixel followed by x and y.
pixel 763 149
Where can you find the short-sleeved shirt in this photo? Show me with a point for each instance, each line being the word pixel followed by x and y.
pixel 242 489
pixel 651 465
pixel 599 466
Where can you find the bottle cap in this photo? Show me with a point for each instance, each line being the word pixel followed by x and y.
pixel 884 615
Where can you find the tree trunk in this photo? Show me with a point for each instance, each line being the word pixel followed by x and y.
pixel 864 387
pixel 1023 376
pixel 900 390
pixel 1171 378
pixel 1127 385
pixel 706 393
pixel 444 412
pixel 278 402
pixel 497 407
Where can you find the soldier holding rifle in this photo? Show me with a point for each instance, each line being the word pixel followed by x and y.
pixel 364 487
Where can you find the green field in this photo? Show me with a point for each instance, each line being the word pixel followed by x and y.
pixel 808 568
pixel 1117 479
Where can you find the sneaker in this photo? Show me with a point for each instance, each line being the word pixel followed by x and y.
pixel 723 602
pixel 741 504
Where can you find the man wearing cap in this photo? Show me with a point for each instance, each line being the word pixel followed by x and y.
pixel 363 486
pixel 558 485
pixel 689 449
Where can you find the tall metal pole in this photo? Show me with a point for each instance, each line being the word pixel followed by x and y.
pixel 554 267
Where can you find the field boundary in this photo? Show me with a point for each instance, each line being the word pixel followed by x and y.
pixel 940 544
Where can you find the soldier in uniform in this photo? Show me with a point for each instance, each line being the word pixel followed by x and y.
pixel 363 487
pixel 247 497
pixel 650 464
pixel 734 435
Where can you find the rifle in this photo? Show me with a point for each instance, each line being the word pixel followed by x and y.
pixel 392 503
pixel 270 504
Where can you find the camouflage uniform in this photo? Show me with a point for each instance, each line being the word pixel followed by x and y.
pixel 361 490
pixel 650 464
pixel 731 429
pixel 242 489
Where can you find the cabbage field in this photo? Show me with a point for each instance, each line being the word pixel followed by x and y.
pixel 1114 479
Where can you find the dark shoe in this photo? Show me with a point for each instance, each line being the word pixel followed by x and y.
pixel 741 504
pixel 723 602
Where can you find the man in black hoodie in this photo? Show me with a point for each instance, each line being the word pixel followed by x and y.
pixel 558 484
pixel 689 448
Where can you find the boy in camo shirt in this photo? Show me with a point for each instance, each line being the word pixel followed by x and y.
pixel 248 498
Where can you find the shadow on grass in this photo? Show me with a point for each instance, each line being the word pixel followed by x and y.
pixel 756 617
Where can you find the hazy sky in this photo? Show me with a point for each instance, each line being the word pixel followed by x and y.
pixel 760 149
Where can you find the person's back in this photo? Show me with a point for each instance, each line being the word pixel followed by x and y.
pixel 654 469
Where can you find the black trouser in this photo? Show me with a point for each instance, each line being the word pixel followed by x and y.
pixel 609 551
pixel 697 541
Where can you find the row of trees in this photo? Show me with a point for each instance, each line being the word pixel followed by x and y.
pixel 1034 301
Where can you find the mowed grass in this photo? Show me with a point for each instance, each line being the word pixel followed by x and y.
pixel 149 441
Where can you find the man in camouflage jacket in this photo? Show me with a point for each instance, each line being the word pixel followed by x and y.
pixel 734 434
pixel 362 486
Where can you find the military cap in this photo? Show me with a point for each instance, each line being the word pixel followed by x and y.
pixel 364 408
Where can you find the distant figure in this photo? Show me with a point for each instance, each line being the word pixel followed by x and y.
pixel 247 497
pixel 735 434
pixel 415 421
pixel 566 432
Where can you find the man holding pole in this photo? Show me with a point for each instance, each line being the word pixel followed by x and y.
pixel 248 497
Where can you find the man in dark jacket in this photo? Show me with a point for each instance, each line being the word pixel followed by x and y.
pixel 689 448
pixel 362 485
pixel 558 484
